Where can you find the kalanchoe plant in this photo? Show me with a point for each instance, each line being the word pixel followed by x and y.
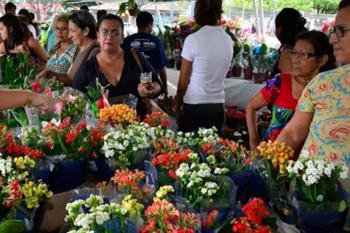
pixel 16 186
pixel 256 219
pixel 155 119
pixel 316 179
pixel 94 215
pixel 195 140
pixel 65 139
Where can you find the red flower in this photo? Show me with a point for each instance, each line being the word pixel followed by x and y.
pixel 36 87
pixel 69 137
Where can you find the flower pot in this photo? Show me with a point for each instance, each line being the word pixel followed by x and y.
pixel 67 175
pixel 319 218
pixel 248 73
pixel 237 71
pixel 259 77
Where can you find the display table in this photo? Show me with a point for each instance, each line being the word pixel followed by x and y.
pixel 239 91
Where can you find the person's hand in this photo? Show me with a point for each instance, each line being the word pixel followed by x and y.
pixel 43 102
pixel 253 144
pixel 148 90
pixel 41 75
pixel 177 103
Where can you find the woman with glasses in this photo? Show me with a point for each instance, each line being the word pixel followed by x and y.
pixel 61 55
pixel 312 54
pixel 82 31
pixel 117 69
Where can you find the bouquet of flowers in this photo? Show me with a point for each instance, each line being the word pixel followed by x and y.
pixel 256 218
pixel 195 140
pixel 94 215
pixel 201 186
pixel 121 147
pixel 98 97
pixel 132 183
pixel 155 119
pixel 71 106
pixel 16 186
pixel 46 85
pixel 316 179
pixel 118 114
pixel 11 145
pixel 226 154
pixel 65 139
pixel 170 161
pixel 162 216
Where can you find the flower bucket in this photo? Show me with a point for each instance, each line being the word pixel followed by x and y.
pixel 237 71
pixel 259 77
pixel 68 175
pixel 43 170
pixel 319 218
pixel 30 218
pixel 115 226
pixel 138 159
pixel 247 73
pixel 102 170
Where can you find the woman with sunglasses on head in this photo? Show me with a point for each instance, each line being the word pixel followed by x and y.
pixel 118 69
pixel 61 55
pixel 82 31
pixel 312 54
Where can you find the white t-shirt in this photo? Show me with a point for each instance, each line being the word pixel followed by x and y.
pixel 210 50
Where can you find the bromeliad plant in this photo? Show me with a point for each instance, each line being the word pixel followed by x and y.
pixel 316 179
pixel 94 215
pixel 65 139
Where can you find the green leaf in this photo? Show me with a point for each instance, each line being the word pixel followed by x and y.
pixel 13 226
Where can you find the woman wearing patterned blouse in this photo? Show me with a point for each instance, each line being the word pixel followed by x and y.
pixel 311 54
pixel 62 54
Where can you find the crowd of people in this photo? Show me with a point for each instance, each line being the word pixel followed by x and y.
pixel 308 91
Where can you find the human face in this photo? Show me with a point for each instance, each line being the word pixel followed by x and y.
pixel 76 34
pixel 62 31
pixel 11 11
pixel 110 35
pixel 305 63
pixel 341 45
pixel 3 31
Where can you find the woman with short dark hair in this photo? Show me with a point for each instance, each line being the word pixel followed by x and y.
pixel 206 58
pixel 116 68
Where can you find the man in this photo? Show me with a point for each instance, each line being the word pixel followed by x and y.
pixel 323 113
pixel 10 8
pixel 149 46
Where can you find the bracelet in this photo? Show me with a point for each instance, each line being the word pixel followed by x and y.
pixel 29 98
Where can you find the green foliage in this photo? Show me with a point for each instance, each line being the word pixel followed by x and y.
pixel 13 226
pixel 325 6
pixel 16 71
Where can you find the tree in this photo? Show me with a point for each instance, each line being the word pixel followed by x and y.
pixel 325 6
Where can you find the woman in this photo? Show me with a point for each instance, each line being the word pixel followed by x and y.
pixel 17 98
pixel 206 58
pixel 115 68
pixel 82 31
pixel 311 55
pixel 289 23
pixel 62 54
pixel 17 41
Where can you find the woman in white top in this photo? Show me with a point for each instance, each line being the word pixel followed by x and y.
pixel 206 58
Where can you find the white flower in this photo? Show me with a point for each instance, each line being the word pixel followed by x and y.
pixel 84 220
pixel 109 153
pixel 182 170
pixel 328 171
pixel 101 217
pixel 344 172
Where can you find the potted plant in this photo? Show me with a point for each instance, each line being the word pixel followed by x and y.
pixel 247 62
pixel 130 6
pixel 262 59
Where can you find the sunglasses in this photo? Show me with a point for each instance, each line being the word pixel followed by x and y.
pixel 302 55
pixel 339 30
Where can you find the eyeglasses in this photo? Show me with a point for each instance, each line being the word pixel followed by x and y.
pixel 302 55
pixel 339 30
pixel 113 33
pixel 61 29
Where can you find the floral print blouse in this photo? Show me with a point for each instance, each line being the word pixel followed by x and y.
pixel 278 93
pixel 61 63
pixel 327 96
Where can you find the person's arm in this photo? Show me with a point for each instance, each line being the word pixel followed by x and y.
pixel 36 48
pixel 184 80
pixel 254 104
pixel 2 48
pixel 297 129
pixel 163 77
pixel 16 98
